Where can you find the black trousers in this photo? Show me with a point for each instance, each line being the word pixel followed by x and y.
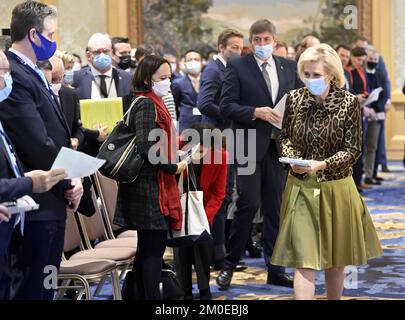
pixel 147 266
pixel 41 247
pixel 200 255
pixel 6 232
pixel 262 189
pixel 218 227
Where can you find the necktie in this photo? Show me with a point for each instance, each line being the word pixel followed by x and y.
pixel 266 77
pixel 103 86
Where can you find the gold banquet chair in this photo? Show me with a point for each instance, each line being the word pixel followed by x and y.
pixel 79 274
pixel 108 191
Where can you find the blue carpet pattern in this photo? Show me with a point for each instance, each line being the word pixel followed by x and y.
pixel 382 278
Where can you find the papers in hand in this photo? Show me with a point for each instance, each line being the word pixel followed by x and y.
pixel 76 164
pixel 106 112
pixel 373 96
pixel 280 109
pixel 24 204
pixel 298 162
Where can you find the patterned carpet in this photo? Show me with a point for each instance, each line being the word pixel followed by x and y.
pixel 382 278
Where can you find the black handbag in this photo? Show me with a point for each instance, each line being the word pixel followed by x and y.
pixel 119 150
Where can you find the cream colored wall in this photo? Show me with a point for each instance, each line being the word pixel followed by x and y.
pixel 6 6
pixel 389 37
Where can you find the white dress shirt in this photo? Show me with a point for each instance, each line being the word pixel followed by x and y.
pixel 109 81
pixel 272 71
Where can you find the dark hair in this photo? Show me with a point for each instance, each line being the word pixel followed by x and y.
pixel 28 15
pixel 190 51
pixel 5 43
pixel 143 50
pixel 116 40
pixel 144 72
pixel 226 35
pixel 342 46
pixel 77 56
pixel 44 65
pixel 261 26
pixel 358 52
pixel 206 133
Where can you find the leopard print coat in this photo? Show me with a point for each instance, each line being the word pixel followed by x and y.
pixel 328 131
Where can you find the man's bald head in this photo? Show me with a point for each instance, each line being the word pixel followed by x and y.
pixel 58 69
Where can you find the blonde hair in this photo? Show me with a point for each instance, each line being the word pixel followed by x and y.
pixel 327 55
pixel 66 57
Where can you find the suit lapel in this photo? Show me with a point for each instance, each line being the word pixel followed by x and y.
pixel 282 78
pixel 220 65
pixel 259 76
pixel 88 83
pixel 117 78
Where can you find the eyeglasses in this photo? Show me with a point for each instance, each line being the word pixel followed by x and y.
pixel 98 52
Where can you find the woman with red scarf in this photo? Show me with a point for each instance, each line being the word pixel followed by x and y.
pixel 151 204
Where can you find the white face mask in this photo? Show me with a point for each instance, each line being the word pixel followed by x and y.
pixel 162 88
pixel 56 88
pixel 193 67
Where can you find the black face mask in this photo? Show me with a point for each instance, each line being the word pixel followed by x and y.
pixel 133 64
pixel 125 62
pixel 372 65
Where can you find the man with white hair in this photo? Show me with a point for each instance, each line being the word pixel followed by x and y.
pixel 98 81
pixel 101 80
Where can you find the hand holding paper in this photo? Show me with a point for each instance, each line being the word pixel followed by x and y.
pixel 76 164
pixel 280 109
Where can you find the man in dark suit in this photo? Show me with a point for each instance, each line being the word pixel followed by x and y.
pixel 98 81
pixel 14 183
pixel 37 128
pixel 230 44
pixel 185 90
pixel 253 85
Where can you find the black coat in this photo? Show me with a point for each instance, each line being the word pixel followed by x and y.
pixel 70 103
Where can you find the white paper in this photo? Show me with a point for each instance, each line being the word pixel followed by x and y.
pixel 24 204
pixel 373 96
pixel 298 162
pixel 76 164
pixel 280 108
pixel 196 112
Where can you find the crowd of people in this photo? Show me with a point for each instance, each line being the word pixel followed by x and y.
pixel 309 218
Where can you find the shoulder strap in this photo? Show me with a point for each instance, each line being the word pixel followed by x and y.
pixel 133 104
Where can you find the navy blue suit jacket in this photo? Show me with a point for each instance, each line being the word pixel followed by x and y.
pixel 185 98
pixel 245 89
pixel 209 96
pixel 37 127
pixel 83 79
pixel 11 188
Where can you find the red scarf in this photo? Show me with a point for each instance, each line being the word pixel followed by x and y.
pixel 169 198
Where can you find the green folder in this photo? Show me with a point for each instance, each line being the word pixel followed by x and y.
pixel 106 112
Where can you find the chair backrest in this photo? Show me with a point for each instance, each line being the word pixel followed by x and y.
pixel 108 191
pixel 93 227
pixel 72 234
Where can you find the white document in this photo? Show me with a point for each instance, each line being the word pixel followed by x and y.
pixel 196 112
pixel 373 96
pixel 188 155
pixel 280 108
pixel 76 164
pixel 298 162
pixel 24 204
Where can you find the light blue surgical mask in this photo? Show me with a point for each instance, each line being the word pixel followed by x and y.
pixel 68 79
pixel 102 61
pixel 264 52
pixel 316 86
pixel 5 92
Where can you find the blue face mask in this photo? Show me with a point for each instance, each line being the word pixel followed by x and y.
pixel 316 86
pixel 102 61
pixel 264 52
pixel 46 50
pixel 68 79
pixel 5 92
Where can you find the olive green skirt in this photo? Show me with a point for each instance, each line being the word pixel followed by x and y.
pixel 324 225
